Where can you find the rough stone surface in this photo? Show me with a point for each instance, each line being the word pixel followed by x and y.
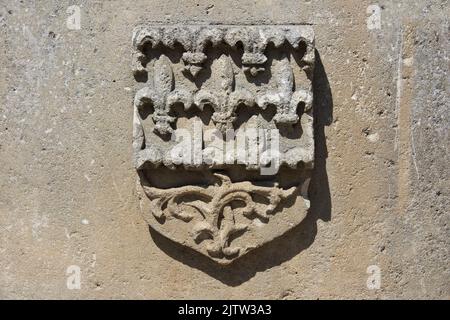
pixel 379 192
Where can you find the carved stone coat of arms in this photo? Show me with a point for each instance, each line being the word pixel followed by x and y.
pixel 223 132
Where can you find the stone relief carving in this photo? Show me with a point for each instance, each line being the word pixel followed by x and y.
pixel 218 107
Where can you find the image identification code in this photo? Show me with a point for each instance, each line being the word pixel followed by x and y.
pixel 226 309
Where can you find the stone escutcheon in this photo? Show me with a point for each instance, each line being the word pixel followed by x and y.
pixel 223 137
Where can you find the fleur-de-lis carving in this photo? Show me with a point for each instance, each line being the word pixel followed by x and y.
pixel 286 98
pixel 253 57
pixel 194 58
pixel 226 100
pixel 161 95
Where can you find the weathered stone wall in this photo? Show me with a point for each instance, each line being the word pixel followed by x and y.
pixel 380 189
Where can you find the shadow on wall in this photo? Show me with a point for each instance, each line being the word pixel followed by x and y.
pixel 295 240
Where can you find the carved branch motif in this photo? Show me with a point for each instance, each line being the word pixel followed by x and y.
pixel 215 209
